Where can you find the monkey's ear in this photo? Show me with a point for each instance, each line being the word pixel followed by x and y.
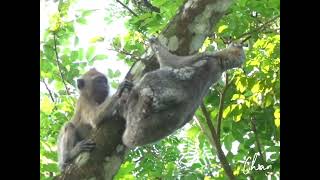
pixel 80 83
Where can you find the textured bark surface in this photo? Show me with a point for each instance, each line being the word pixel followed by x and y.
pixel 184 35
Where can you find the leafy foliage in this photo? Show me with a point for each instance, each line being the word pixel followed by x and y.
pixel 251 102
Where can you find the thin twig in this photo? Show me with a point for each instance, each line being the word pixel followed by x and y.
pixel 203 128
pixel 254 129
pixel 220 153
pixel 58 63
pixel 258 28
pixel 51 96
pixel 127 53
pixel 127 8
pixel 206 132
pixel 245 39
pixel 151 7
pixel 221 107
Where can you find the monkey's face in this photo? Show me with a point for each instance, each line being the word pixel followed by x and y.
pixel 95 87
pixel 100 89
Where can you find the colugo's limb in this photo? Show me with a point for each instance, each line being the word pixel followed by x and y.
pixel 167 59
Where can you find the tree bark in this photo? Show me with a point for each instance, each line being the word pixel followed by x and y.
pixel 184 35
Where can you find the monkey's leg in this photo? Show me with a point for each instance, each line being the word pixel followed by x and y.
pixel 71 146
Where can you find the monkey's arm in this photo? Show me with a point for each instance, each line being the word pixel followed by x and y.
pixel 113 104
pixel 69 145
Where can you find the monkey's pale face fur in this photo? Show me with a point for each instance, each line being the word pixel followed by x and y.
pixel 94 85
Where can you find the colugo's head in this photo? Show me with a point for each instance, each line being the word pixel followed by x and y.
pixel 154 43
pixel 94 85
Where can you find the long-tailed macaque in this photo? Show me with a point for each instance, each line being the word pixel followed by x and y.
pixel 94 99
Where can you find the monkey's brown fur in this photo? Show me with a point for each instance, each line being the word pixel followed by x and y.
pixel 94 90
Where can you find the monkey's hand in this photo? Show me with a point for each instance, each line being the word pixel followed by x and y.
pixel 124 85
pixel 86 145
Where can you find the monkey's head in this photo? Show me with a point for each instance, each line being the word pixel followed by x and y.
pixel 94 85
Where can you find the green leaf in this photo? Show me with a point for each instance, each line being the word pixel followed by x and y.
pixel 222 28
pixel 193 132
pixel 268 100
pixel 101 57
pixel 80 55
pixel 46 105
pixel 255 88
pixel 97 39
pixel 87 12
pixel 277 113
pixel 116 43
pixel 81 20
pixel 228 142
pixel 74 55
pixel 76 41
pixel 277 122
pixel 241 85
pixel 235 96
pixel 117 74
pixel 90 53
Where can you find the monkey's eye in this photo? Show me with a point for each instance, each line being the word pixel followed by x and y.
pixel 101 80
pixel 80 83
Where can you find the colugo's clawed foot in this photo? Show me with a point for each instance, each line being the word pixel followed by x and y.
pixel 124 85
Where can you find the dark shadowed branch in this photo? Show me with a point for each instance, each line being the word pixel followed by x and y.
pixel 125 6
pixel 258 144
pixel 58 63
pixel 260 28
pixel 49 91
pixel 221 105
pixel 220 153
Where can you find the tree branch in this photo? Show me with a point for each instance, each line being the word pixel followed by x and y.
pixel 125 6
pixel 181 29
pixel 58 63
pixel 221 105
pixel 49 91
pixel 220 153
pixel 263 26
pixel 258 144
pixel 127 53
pixel 151 7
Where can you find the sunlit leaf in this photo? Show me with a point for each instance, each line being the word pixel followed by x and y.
pixel 193 132
pixel 90 53
pixel 46 105
pixel 222 28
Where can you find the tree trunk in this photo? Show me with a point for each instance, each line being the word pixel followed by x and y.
pixel 184 35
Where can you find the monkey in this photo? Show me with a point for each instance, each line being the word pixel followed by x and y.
pixel 165 99
pixel 94 97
